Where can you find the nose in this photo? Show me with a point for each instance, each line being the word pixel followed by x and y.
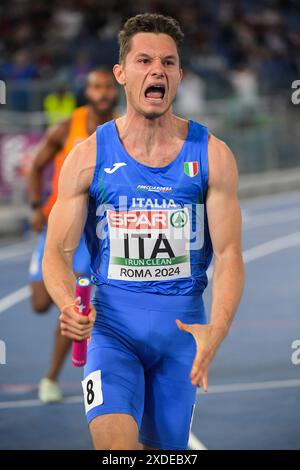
pixel 157 68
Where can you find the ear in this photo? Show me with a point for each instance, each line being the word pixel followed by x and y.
pixel 119 74
pixel 181 74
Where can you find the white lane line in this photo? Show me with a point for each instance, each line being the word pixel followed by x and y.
pixel 15 250
pixel 272 246
pixel 14 298
pixel 267 248
pixel 269 218
pixel 195 444
pixel 288 199
pixel 6 405
pixel 213 389
pixel 252 386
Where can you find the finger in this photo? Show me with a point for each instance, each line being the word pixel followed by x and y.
pixel 200 375
pixel 74 331
pixel 69 315
pixel 205 382
pixel 72 336
pixel 202 381
pixel 196 364
pixel 78 326
pixel 183 326
pixel 80 329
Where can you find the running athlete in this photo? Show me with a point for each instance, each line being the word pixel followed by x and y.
pixel 159 194
pixel 101 94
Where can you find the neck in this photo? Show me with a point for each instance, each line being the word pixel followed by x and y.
pixel 147 135
pixel 94 119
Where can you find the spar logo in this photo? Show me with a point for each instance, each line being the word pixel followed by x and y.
pixel 179 219
pixel 139 220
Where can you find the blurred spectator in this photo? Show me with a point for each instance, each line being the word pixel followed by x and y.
pixel 71 37
pixel 19 73
pixel 190 95
pixel 59 105
pixel 80 69
pixel 245 85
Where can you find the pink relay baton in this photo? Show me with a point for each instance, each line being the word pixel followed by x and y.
pixel 79 348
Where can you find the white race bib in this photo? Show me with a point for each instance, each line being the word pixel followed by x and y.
pixel 149 245
pixel 92 390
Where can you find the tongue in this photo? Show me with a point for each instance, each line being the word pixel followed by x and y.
pixel 154 94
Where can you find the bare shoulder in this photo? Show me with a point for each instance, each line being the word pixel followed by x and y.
pixel 78 168
pixel 223 172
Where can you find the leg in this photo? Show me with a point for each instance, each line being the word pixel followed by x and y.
pixel 113 389
pixel 40 299
pixel 144 447
pixel 41 302
pixel 48 388
pixel 115 431
pixel 169 394
pixel 61 348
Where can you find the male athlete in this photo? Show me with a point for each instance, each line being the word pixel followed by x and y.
pixel 160 197
pixel 101 94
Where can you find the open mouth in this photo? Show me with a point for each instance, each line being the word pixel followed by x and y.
pixel 155 92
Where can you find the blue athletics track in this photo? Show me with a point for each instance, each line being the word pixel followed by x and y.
pixel 254 383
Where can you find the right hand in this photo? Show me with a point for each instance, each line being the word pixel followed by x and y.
pixel 37 220
pixel 74 325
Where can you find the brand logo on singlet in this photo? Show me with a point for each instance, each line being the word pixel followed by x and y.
pixel 178 219
pixel 154 189
pixel 190 168
pixel 114 168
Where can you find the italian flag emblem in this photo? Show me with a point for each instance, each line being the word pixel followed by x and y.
pixel 191 168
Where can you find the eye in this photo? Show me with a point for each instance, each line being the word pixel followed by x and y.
pixel 143 61
pixel 169 62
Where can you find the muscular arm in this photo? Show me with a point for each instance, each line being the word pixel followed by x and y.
pixel 224 219
pixel 51 144
pixel 66 222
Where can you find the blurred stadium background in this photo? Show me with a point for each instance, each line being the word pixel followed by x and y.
pixel 240 60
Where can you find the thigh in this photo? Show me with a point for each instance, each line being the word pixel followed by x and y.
pixel 168 412
pixel 113 378
pixel 169 394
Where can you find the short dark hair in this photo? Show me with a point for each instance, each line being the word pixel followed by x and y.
pixel 148 23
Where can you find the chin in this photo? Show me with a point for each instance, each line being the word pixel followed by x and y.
pixel 154 113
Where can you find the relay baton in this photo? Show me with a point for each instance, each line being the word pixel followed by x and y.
pixel 79 348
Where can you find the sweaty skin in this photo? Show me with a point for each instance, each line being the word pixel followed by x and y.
pixel 154 136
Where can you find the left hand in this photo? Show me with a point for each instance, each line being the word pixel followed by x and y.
pixel 208 339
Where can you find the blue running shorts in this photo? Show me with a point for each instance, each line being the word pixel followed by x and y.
pixel 139 363
pixel 81 259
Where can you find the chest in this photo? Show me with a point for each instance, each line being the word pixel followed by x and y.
pixel 160 157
